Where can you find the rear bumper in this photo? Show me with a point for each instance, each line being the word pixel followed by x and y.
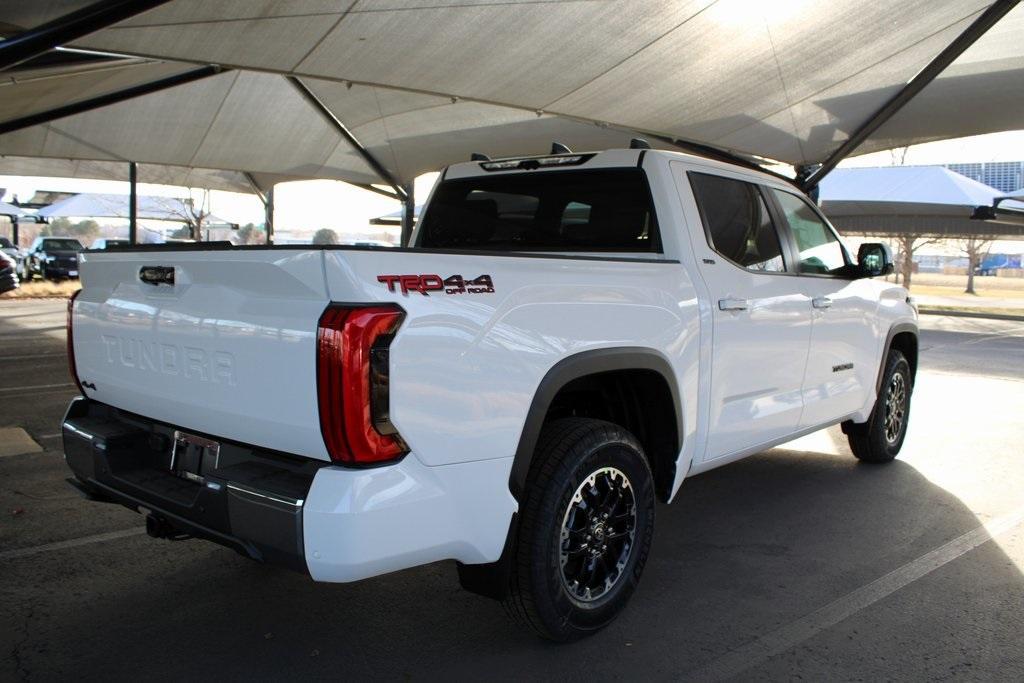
pixel 338 524
pixel 251 502
pixel 52 270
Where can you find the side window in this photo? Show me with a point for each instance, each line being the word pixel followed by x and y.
pixel 820 252
pixel 737 222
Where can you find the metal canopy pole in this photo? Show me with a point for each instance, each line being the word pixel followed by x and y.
pixel 108 99
pixel 267 197
pixel 133 203
pixel 379 190
pixel 371 160
pixel 408 215
pixel 976 30
pixel 69 27
pixel 269 221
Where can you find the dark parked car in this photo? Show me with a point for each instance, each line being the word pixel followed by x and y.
pixel 51 258
pixel 8 278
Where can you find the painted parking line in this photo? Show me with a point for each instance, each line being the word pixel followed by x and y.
pixel 73 543
pixel 787 637
pixel 37 387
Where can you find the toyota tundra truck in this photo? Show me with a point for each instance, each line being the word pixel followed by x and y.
pixel 566 339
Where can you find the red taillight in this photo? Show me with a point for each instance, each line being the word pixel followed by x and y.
pixel 352 383
pixel 71 343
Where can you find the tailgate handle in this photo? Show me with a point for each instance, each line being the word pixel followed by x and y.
pixel 157 275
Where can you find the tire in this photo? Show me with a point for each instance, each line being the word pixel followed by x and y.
pixel 880 438
pixel 580 461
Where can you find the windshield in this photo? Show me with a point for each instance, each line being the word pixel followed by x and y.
pixel 62 245
pixel 597 210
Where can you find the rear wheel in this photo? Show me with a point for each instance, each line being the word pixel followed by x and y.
pixel 880 438
pixel 587 524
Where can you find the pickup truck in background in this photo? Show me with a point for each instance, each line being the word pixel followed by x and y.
pixel 569 337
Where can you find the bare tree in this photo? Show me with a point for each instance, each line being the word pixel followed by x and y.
pixel 899 155
pixel 907 245
pixel 192 213
pixel 976 249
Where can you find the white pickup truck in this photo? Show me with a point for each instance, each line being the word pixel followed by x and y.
pixel 569 338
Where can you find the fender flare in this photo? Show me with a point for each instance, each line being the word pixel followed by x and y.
pixel 898 328
pixel 571 368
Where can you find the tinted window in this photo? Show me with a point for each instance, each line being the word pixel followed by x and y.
pixel 62 245
pixel 820 252
pixel 737 222
pixel 606 210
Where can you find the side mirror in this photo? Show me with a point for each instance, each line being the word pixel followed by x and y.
pixel 874 259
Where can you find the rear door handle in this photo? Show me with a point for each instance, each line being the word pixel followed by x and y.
pixel 732 304
pixel 821 302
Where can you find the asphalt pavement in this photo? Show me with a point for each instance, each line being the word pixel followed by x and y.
pixel 798 563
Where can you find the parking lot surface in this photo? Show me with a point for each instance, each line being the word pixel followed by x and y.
pixel 796 563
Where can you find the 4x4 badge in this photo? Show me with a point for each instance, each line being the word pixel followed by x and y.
pixel 425 284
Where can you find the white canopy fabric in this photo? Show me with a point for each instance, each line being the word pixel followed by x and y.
pixel 11 210
pixel 903 190
pixel 180 176
pixel 98 205
pixel 422 83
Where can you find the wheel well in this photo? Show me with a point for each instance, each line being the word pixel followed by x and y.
pixel 638 400
pixel 906 343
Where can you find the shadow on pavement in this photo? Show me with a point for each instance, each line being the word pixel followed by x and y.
pixel 744 550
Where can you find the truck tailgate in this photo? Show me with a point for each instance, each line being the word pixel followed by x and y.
pixel 228 349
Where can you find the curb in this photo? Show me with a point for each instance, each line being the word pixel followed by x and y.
pixel 970 314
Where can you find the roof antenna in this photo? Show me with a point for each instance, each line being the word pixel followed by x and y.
pixel 559 148
pixel 477 156
pixel 639 143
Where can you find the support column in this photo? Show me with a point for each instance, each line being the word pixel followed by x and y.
pixel 408 214
pixel 268 207
pixel 133 203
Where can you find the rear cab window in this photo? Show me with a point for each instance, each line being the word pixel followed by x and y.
pixel 603 210
pixel 737 223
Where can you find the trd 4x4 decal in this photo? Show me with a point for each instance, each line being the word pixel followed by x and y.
pixel 425 284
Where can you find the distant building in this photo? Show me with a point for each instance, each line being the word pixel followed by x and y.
pixel 1004 176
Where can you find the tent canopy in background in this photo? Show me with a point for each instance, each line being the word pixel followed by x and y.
pixel 921 190
pixel 423 84
pixel 97 205
pixel 10 211
pixel 926 201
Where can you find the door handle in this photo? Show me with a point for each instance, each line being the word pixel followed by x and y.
pixel 732 304
pixel 821 302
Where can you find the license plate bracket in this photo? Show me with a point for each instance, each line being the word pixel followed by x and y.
pixel 193 456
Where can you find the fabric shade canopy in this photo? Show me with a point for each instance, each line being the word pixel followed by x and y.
pixel 421 84
pixel 923 201
pixel 11 211
pixel 180 176
pixel 96 205
pixel 901 190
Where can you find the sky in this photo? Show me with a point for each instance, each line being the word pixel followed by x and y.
pixel 314 204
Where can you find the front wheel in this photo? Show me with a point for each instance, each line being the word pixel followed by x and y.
pixel 880 438
pixel 587 524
